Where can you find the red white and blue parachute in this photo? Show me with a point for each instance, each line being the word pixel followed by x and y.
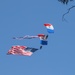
pixel 50 28
pixel 21 50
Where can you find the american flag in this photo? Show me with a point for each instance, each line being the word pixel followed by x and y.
pixel 21 50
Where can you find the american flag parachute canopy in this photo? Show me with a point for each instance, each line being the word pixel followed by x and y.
pixel 21 50
pixel 49 27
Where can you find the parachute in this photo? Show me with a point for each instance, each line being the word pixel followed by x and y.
pixel 21 50
pixel 50 28
pixel 25 37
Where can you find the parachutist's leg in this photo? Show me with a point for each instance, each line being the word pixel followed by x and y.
pixel 40 47
pixel 46 36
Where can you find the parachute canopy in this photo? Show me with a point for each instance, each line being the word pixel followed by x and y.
pixel 49 27
pixel 21 50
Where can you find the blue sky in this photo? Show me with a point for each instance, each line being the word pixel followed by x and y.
pixel 26 17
